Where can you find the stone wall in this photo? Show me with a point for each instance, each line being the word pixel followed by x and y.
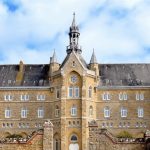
pixel 101 139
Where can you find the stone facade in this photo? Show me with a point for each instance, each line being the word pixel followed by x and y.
pixel 71 95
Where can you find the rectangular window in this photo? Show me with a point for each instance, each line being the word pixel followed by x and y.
pixel 123 112
pixel 76 92
pixel 139 96
pixel 70 91
pixel 57 93
pixel 40 113
pixel 73 111
pixel 24 97
pixel 7 113
pixel 106 96
pixel 56 112
pixel 106 112
pixel 41 97
pixel 123 96
pixel 140 112
pixel 8 97
pixel 24 113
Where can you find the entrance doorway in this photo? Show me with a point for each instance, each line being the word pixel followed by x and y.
pixel 74 143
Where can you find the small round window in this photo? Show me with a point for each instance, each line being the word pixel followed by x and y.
pixel 73 78
pixel 74 138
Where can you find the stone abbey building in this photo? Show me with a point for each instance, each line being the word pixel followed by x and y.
pixel 81 101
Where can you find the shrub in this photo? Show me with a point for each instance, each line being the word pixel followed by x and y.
pixel 124 134
pixel 14 136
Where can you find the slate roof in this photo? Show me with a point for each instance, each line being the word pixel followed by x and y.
pixel 34 75
pixel 124 74
pixel 110 75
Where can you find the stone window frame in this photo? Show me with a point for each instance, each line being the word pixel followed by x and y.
pixel 90 110
pixel 90 92
pixel 140 112
pixel 107 112
pixel 123 96
pixel 106 96
pixel 57 111
pixel 40 112
pixel 74 110
pixel 139 96
pixel 24 97
pixel 58 93
pixel 8 97
pixel 123 112
pixel 73 92
pixel 8 112
pixel 41 97
pixel 24 112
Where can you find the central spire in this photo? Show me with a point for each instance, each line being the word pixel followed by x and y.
pixel 73 37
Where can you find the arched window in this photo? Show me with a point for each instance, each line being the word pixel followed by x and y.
pixel 57 111
pixel 106 112
pixel 90 92
pixel 73 110
pixel 74 138
pixel 90 111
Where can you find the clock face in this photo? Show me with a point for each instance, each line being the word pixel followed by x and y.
pixel 73 79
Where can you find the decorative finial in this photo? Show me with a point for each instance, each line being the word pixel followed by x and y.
pixel 73 22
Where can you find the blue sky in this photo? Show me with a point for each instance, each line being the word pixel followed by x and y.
pixel 118 30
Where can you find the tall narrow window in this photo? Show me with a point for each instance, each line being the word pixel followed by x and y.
pixel 70 91
pixel 123 112
pixel 90 111
pixel 73 110
pixel 76 92
pixel 140 112
pixel 40 112
pixel 24 113
pixel 107 112
pixel 8 113
pixel 57 93
pixel 90 92
pixel 57 111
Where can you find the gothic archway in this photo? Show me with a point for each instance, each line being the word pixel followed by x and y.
pixel 74 142
pixel 56 142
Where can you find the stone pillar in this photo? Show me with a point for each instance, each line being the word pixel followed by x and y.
pixel 48 136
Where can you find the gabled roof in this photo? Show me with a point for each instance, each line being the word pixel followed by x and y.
pixel 34 75
pixel 124 74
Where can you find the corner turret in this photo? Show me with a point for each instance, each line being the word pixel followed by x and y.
pixel 54 65
pixel 93 64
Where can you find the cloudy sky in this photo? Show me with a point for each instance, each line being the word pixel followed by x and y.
pixel 118 30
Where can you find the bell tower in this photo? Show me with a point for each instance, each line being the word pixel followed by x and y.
pixel 74 38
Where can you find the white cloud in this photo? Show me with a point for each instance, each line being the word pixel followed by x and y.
pixel 114 28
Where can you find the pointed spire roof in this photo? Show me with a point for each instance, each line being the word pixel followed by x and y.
pixel 54 58
pixel 74 20
pixel 93 58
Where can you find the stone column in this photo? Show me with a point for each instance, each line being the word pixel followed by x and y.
pixel 48 136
